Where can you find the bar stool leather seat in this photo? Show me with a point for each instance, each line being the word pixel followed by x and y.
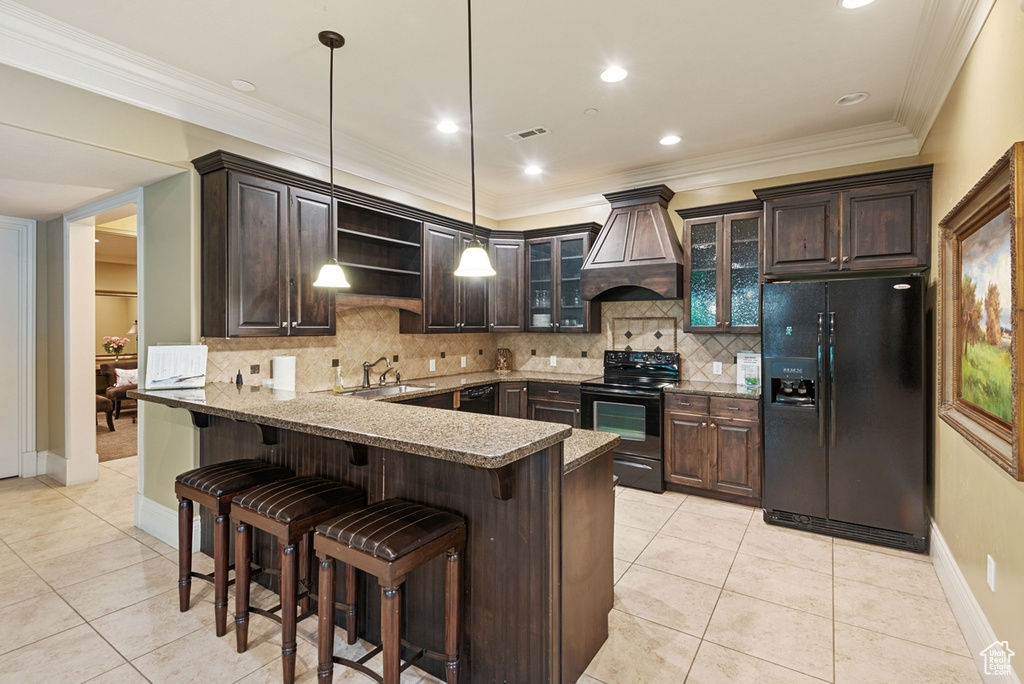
pixel 290 510
pixel 388 539
pixel 214 486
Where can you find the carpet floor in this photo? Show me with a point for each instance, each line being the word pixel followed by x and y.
pixel 123 442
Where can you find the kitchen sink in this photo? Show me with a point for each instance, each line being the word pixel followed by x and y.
pixel 385 391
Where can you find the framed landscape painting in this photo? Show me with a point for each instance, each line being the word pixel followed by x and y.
pixel 980 289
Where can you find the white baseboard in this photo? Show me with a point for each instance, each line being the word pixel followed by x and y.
pixel 29 464
pixel 973 623
pixel 56 467
pixel 162 522
pixel 42 457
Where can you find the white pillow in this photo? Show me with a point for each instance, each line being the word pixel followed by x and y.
pixel 126 377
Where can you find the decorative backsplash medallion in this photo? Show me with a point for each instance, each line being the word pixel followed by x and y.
pixel 644 334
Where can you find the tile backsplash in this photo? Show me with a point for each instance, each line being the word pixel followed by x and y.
pixel 368 333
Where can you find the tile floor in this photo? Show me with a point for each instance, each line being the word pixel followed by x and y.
pixel 705 593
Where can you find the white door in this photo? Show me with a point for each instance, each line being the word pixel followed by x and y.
pixel 17 308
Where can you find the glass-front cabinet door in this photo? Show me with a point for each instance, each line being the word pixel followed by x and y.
pixel 571 251
pixel 541 272
pixel 701 291
pixel 722 265
pixel 743 232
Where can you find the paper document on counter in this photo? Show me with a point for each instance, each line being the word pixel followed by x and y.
pixel 176 366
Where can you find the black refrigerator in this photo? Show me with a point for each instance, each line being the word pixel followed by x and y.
pixel 845 408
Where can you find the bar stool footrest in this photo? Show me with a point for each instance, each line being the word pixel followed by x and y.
pixel 360 665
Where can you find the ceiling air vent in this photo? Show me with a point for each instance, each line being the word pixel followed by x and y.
pixel 528 133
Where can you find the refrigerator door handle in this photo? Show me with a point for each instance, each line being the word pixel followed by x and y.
pixel 821 411
pixel 832 376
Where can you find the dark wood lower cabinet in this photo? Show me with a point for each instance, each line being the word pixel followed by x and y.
pixel 554 403
pixel 442 401
pixel 713 447
pixel 512 399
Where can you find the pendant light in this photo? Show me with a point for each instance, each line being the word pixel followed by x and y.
pixel 474 262
pixel 331 274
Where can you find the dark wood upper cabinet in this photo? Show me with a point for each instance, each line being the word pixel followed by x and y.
pixel 505 298
pixel 554 300
pixel 380 253
pixel 721 258
pixel 263 243
pixel 450 304
pixel 874 221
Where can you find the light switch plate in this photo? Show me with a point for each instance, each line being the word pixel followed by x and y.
pixel 716 367
pixel 463 361
pixel 433 365
pixel 554 360
pixel 990 573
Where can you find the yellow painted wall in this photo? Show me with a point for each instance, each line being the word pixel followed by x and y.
pixel 168 310
pixel 978 508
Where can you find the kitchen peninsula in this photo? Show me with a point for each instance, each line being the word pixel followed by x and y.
pixel 537 498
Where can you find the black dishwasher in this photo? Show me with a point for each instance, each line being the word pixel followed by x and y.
pixel 477 400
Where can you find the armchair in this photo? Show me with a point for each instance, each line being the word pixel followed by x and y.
pixel 116 393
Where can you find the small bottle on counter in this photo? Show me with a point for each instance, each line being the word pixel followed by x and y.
pixel 339 381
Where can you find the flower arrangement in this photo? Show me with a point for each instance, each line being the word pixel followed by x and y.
pixel 115 345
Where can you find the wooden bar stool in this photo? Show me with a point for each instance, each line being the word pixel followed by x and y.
pixel 290 510
pixel 388 539
pixel 214 486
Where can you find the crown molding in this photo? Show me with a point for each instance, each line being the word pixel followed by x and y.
pixel 935 65
pixel 864 144
pixel 39 44
pixel 36 43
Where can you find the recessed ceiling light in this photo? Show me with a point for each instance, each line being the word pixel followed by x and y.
pixel 851 99
pixel 244 86
pixel 532 170
pixel 613 74
pixel 854 4
pixel 670 140
pixel 448 126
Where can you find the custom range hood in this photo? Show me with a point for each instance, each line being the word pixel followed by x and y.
pixel 636 256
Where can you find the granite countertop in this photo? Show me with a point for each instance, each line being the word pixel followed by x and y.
pixel 468 438
pixel 714 389
pixel 585 445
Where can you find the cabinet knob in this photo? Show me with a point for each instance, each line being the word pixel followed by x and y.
pixel 833 260
pixel 577 410
pixel 492 325
pixel 294 323
pixel 703 424
pixel 846 258
pixel 284 324
pixel 552 326
pixel 713 426
pixel 733 408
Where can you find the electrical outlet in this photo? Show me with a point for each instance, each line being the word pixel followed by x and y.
pixel 716 368
pixel 463 362
pixel 254 369
pixel 990 574
pixel 433 365
pixel 554 360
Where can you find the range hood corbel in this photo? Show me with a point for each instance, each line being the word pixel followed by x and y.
pixel 636 255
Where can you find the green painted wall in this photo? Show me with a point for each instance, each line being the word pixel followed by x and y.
pixel 168 314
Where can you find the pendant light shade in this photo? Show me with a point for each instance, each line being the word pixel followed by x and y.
pixel 331 274
pixel 474 262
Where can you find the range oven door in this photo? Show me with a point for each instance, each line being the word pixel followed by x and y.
pixel 636 418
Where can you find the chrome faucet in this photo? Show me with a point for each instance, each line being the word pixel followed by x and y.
pixel 367 366
pixel 383 376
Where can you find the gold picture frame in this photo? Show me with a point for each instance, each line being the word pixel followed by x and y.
pixel 980 297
